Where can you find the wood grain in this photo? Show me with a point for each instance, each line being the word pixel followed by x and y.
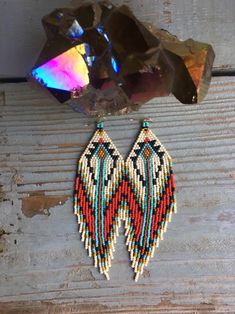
pixel 43 265
pixel 212 21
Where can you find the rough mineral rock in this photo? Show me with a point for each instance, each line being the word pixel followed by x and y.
pixel 103 60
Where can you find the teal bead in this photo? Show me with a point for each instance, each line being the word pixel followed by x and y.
pixel 100 125
pixel 146 124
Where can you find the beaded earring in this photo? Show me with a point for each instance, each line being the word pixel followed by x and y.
pixel 139 191
pixel 97 200
pixel 150 196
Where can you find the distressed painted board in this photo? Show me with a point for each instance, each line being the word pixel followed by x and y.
pixel 43 263
pixel 212 21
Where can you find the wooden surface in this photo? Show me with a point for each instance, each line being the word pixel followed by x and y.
pixel 43 263
pixel 212 21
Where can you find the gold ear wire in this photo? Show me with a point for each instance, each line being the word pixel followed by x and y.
pixel 148 119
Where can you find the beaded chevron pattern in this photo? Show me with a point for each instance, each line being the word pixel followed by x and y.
pixel 140 191
pixel 97 198
pixel 150 196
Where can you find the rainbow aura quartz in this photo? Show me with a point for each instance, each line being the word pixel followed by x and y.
pixel 101 60
pixel 67 71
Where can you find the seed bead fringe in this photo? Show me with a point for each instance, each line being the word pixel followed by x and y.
pixel 150 195
pixel 97 199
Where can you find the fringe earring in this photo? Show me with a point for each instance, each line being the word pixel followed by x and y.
pixel 140 191
pixel 97 199
pixel 150 197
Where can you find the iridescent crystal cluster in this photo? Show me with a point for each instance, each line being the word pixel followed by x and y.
pixel 102 60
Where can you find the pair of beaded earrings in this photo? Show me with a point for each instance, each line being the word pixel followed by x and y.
pixel 139 191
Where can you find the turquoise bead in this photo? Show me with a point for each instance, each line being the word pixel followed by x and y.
pixel 146 124
pixel 100 125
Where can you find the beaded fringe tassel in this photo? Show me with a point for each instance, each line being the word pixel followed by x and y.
pixel 150 197
pixel 139 191
pixel 97 198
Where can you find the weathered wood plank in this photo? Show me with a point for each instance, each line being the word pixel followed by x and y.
pixel 42 261
pixel 212 21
